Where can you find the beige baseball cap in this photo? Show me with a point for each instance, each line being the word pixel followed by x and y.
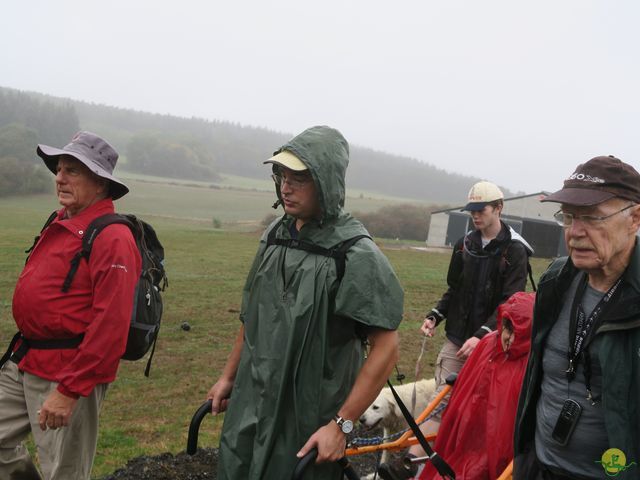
pixel 288 160
pixel 481 194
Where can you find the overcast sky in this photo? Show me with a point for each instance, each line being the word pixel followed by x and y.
pixel 515 92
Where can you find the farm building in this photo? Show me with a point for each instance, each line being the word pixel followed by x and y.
pixel 525 214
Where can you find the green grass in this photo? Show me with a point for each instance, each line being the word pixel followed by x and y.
pixel 165 201
pixel 238 202
pixel 206 269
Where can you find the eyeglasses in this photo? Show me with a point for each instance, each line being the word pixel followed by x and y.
pixel 565 219
pixel 295 182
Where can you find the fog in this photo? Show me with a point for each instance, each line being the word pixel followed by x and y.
pixel 517 93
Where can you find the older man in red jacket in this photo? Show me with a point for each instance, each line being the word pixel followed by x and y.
pixel 70 342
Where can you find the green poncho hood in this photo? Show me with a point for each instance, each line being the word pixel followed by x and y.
pixel 325 152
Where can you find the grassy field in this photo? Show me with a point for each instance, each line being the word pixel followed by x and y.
pixel 365 200
pixel 206 269
pixel 238 203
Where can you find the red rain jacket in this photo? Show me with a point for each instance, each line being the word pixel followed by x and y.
pixel 98 304
pixel 476 433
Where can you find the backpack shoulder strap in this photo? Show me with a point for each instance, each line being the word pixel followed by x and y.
pixel 94 228
pixel 271 236
pixel 51 218
pixel 337 252
pixel 530 272
pixel 99 224
pixel 295 243
pixel 340 254
pixel 529 269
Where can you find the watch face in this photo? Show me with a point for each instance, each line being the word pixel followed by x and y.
pixel 347 426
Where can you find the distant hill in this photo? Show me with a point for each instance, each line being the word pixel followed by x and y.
pixel 196 148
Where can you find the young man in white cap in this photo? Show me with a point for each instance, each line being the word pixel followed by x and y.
pixel 488 265
pixel 297 377
pixel 55 374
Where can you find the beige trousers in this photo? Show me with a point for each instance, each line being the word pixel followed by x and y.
pixel 446 364
pixel 65 453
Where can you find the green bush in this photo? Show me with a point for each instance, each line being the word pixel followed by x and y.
pixel 18 178
pixel 405 222
pixel 177 157
pixel 21 171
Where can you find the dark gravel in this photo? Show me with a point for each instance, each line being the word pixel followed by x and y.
pixel 202 465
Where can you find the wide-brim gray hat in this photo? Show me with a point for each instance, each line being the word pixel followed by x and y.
pixel 91 150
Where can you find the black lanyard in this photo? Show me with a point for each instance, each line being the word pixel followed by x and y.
pixel 582 328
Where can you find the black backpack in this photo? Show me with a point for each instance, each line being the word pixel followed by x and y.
pixel 147 306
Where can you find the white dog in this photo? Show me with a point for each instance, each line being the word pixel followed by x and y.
pixel 384 411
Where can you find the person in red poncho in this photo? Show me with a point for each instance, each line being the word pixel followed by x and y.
pixel 476 434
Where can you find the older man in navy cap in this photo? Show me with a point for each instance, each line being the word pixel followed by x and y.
pixel 55 374
pixel 579 411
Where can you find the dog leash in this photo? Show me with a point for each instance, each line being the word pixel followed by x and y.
pixel 416 374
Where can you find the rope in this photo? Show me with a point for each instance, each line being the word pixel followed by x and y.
pixel 416 374
pixel 378 440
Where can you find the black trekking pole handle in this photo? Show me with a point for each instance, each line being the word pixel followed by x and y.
pixel 194 426
pixel 311 456
pixel 303 463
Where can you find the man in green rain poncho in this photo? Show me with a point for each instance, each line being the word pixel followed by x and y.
pixel 297 377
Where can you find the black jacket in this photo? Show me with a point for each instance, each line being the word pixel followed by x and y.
pixel 479 280
pixel 619 357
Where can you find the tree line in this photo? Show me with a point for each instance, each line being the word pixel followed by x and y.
pixel 195 148
pixel 29 119
pixel 25 122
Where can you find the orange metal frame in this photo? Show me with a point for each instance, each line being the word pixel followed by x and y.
pixel 407 438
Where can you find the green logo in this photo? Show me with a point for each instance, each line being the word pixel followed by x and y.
pixel 614 461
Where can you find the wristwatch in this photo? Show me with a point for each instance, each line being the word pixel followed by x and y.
pixel 345 425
